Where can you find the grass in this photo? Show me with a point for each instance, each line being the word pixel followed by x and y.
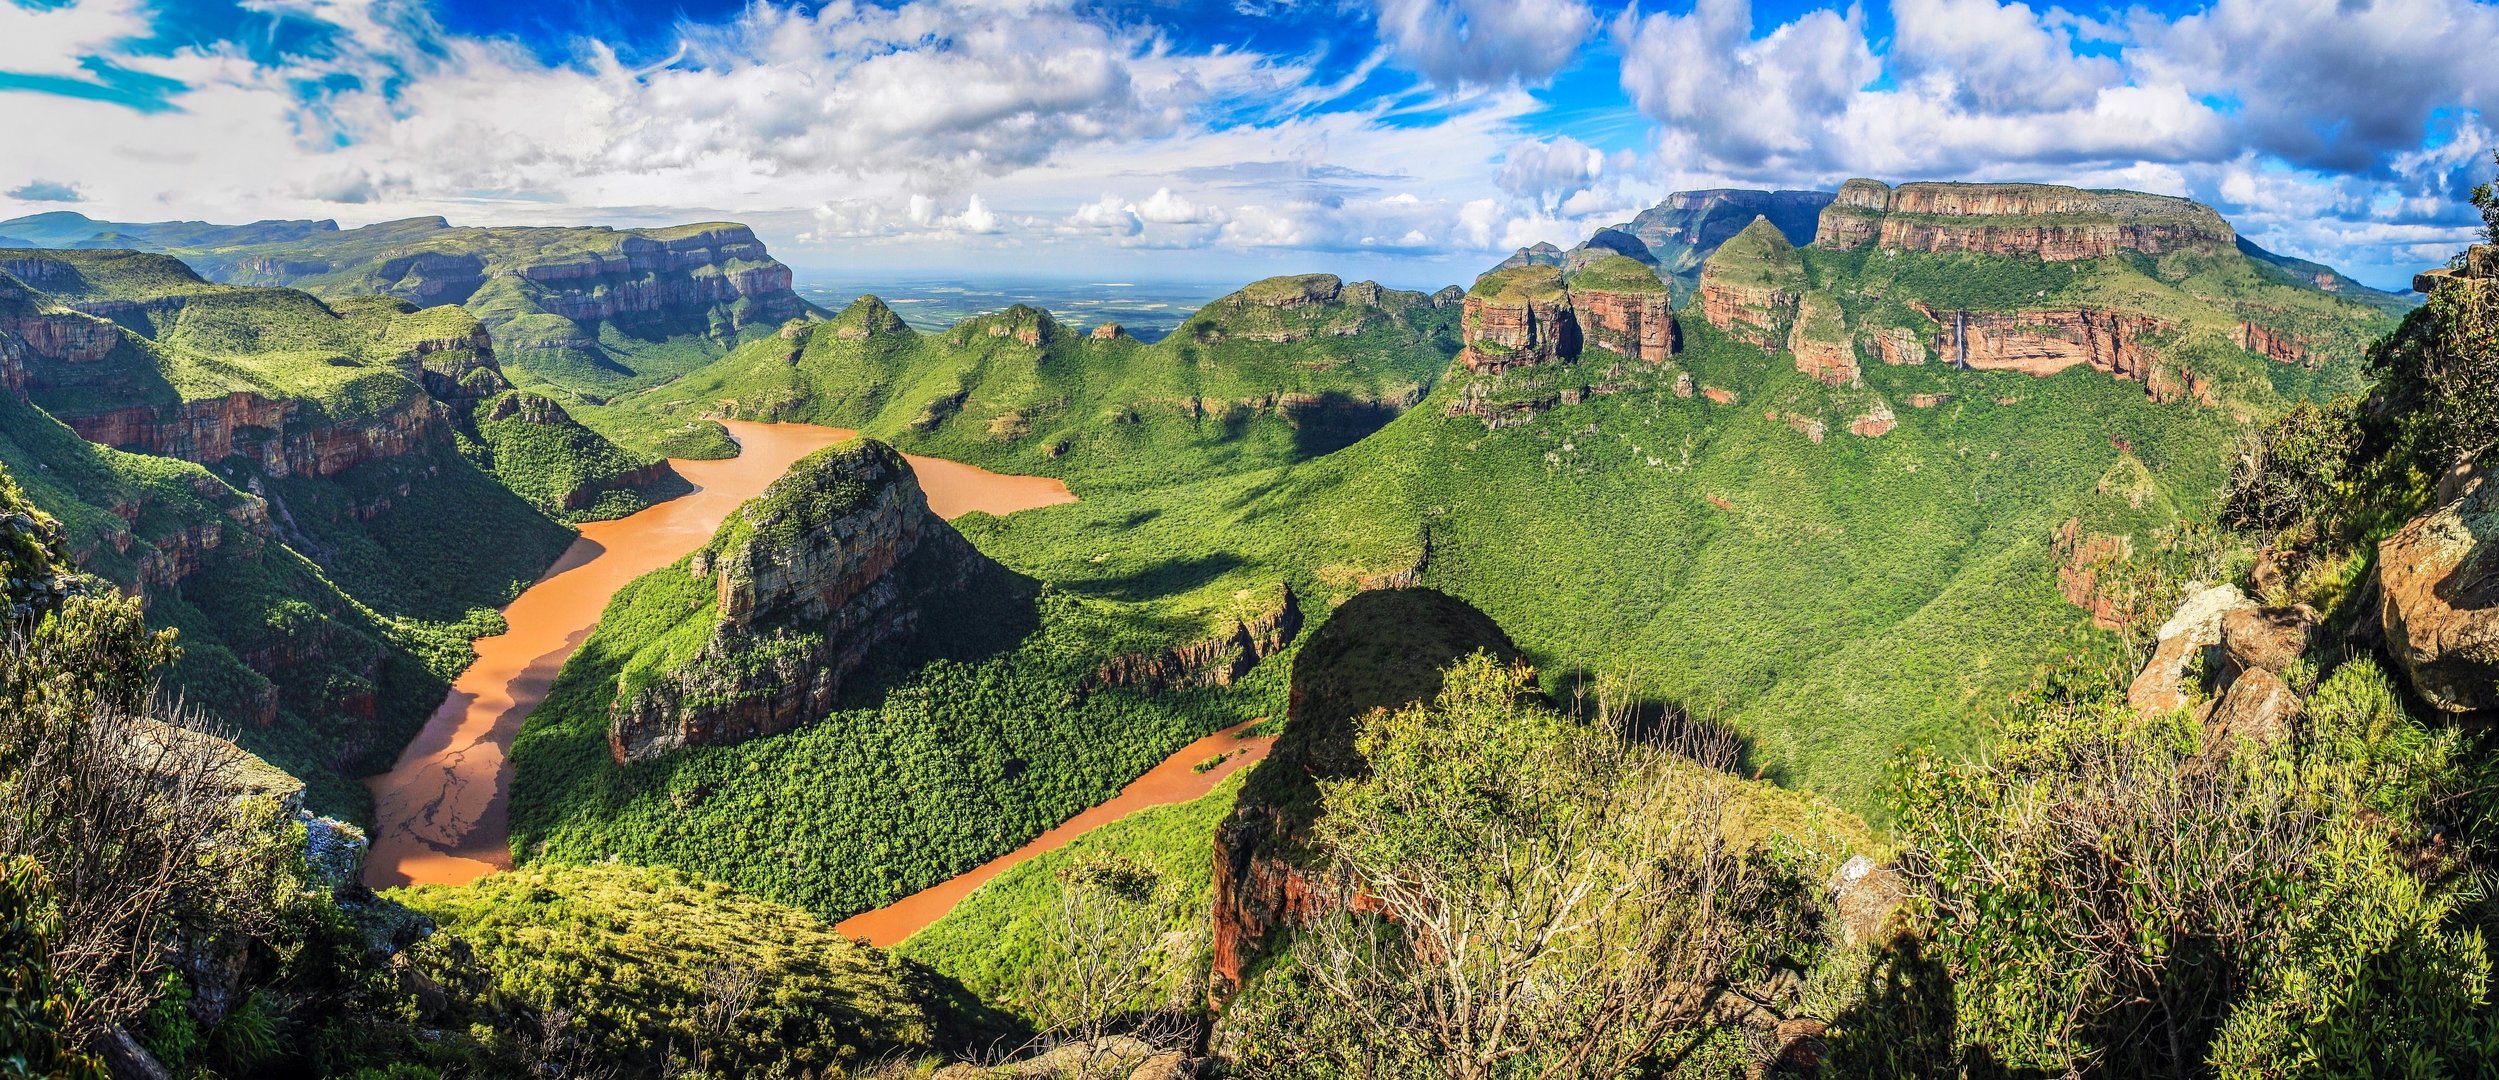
pixel 566 470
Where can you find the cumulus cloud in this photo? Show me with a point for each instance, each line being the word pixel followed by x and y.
pixel 1550 171
pixel 1485 42
pixel 45 191
pixel 1742 100
pixel 1997 57
pixel 975 218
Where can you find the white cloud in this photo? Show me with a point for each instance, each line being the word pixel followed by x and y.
pixel 1485 42
pixel 1739 99
pixel 1997 57
pixel 46 40
pixel 1548 172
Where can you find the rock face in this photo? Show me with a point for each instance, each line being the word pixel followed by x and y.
pixel 2438 588
pixel 2245 649
pixel 835 559
pixel 1518 318
pixel 1380 649
pixel 1752 287
pixel 1639 325
pixel 2056 224
pixel 274 434
pixel 1821 344
pixel 2045 342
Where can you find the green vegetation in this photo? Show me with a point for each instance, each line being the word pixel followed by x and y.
pixel 1565 901
pixel 2122 895
pixel 564 469
pixel 1615 273
pixel 323 615
pixel 1279 372
pixel 1002 941
pixel 949 750
pixel 1521 285
pixel 546 293
pixel 655 967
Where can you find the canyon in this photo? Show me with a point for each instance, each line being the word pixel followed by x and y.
pixel 441 815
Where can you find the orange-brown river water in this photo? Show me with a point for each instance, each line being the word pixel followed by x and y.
pixel 1175 780
pixel 440 814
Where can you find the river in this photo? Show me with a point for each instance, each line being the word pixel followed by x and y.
pixel 441 815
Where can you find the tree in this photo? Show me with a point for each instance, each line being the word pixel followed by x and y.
pixel 135 818
pixel 1519 894
pixel 35 1040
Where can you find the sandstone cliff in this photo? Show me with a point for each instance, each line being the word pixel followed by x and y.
pixel 2057 224
pixel 1262 629
pixel 1752 286
pixel 1380 649
pixel 834 561
pixel 1518 318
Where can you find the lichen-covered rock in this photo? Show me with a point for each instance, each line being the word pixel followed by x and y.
pixel 2267 639
pixel 836 559
pixel 2257 705
pixel 1866 895
pixel 2162 685
pixel 2438 588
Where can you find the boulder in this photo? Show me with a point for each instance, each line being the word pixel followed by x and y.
pixel 2162 684
pixel 2267 639
pixel 2258 706
pixel 2438 599
pixel 1866 895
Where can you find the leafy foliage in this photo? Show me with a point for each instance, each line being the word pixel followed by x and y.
pixel 2129 895
pixel 655 965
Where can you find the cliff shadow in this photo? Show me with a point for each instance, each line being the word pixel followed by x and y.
pixel 1905 1023
pixel 1659 722
pixel 1333 422
pixel 989 614
pixel 1166 578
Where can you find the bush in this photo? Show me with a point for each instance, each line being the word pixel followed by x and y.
pixel 2130 895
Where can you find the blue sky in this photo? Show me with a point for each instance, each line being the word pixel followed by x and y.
pixel 1410 140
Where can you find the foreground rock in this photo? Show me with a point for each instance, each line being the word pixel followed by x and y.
pixel 1382 649
pixel 2438 594
pixel 837 559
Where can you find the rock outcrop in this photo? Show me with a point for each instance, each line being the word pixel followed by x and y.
pixel 2056 224
pixel 2438 598
pixel 277 435
pixel 1516 318
pixel 834 561
pixel 1218 660
pixel 2244 652
pixel 1532 315
pixel 1752 287
pixel 1305 307
pixel 2163 686
pixel 2043 342
pixel 1381 649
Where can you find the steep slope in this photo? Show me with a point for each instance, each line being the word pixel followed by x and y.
pixel 282 479
pixel 585 308
pixel 1837 554
pixel 1284 369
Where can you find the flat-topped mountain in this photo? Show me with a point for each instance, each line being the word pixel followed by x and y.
pixel 585 307
pixel 2053 223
